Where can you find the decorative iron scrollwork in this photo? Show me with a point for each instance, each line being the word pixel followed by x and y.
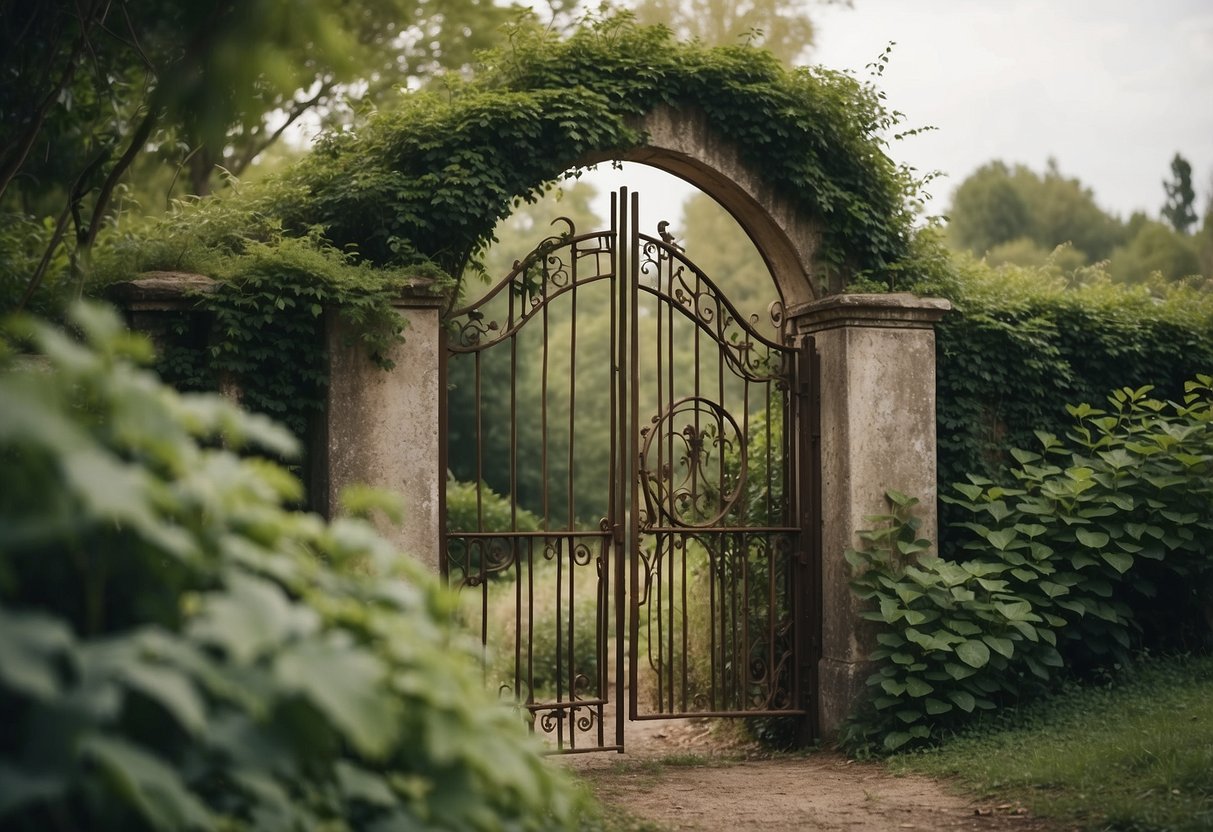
pixel 685 471
pixel 559 264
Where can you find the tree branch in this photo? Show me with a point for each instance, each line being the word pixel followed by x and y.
pixel 255 149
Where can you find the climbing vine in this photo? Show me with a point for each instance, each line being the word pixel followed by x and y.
pixel 429 180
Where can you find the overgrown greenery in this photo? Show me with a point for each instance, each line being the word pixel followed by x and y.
pixel 429 180
pixel 1131 752
pixel 178 650
pixel 266 330
pixel 1095 545
pixel 1020 341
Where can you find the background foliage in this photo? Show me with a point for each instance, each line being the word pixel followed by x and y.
pixel 180 651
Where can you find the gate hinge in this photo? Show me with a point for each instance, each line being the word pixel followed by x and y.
pixel 617 532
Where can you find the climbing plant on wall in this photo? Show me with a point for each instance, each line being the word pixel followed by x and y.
pixel 429 180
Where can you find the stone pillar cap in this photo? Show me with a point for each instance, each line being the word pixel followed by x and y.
pixel 898 310
pixel 161 290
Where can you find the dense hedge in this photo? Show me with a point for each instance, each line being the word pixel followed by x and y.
pixel 178 650
pixel 1021 342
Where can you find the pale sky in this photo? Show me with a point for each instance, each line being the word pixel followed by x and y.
pixel 1110 88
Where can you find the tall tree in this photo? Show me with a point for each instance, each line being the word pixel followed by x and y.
pixel 998 204
pixel 988 210
pixel 782 26
pixel 1180 209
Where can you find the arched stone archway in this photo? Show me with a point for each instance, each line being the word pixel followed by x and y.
pixel 814 192
pixel 877 407
pixel 683 142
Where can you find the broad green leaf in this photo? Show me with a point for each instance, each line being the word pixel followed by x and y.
pixel 31 645
pixel 345 683
pixel 359 784
pixel 970 491
pixel 1003 646
pixel 973 653
pixel 172 689
pixel 917 687
pixel 896 739
pixel 963 700
pixel 936 706
pixel 1090 539
pixel 250 618
pixel 1120 561
pixel 151 786
pixel 1000 539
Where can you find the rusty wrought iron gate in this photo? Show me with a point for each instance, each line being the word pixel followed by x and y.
pixel 631 508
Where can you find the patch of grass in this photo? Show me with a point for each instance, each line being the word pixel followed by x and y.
pixel 613 819
pixel 656 765
pixel 1134 754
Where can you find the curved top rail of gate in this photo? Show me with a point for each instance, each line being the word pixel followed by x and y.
pixel 681 284
pixel 554 267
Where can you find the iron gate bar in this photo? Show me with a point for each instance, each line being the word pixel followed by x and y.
pixel 744 516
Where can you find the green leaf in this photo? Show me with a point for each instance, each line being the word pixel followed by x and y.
pixel 149 785
pixel 935 707
pixel 973 653
pixel 172 689
pixel 896 739
pixel 30 647
pixel 250 618
pixel 346 685
pixel 917 687
pixel 1120 561
pixel 1090 539
pixel 1001 538
pixel 970 491
pixel 1003 646
pixel 963 700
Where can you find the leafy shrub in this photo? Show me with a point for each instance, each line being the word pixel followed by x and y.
pixel 177 650
pixel 472 508
pixel 1057 570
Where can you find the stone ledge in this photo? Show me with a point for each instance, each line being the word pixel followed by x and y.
pixel 161 291
pixel 900 310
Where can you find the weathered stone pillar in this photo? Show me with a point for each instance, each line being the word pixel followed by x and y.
pixel 877 383
pixel 384 428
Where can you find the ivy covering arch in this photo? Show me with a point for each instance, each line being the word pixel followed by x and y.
pixel 429 180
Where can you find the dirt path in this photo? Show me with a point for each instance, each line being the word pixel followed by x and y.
pixel 679 776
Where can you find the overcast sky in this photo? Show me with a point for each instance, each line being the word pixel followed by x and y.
pixel 1110 88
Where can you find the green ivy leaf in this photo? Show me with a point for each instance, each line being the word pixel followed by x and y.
pixel 345 685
